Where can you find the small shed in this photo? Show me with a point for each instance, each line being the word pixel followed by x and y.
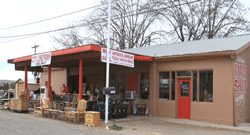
pixel 18 88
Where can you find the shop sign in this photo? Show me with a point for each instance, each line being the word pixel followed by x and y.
pixel 41 59
pixel 240 72
pixel 118 58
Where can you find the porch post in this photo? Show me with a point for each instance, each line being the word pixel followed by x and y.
pixel 26 77
pixel 80 78
pixel 49 79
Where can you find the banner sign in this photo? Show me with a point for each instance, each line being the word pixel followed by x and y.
pixel 117 57
pixel 41 59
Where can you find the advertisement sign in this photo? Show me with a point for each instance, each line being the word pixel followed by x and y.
pixel 240 72
pixel 117 57
pixel 41 59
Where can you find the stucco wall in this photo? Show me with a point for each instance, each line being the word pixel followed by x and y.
pixel 219 111
pixel 58 78
pixel 242 98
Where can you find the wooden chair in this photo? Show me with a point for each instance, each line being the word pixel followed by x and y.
pixel 74 102
pixel 45 104
pixel 79 113
pixel 142 106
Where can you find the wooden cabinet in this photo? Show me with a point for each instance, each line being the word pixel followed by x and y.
pixel 92 118
pixel 19 105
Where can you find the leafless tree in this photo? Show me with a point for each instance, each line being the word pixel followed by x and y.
pixel 204 19
pixel 130 26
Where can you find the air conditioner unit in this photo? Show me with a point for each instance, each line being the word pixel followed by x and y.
pixel 130 94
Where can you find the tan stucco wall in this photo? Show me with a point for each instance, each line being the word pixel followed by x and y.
pixel 242 106
pixel 219 111
pixel 58 78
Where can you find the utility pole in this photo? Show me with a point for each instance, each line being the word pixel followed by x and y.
pixel 35 47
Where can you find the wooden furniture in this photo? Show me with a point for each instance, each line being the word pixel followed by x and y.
pixel 76 113
pixel 92 118
pixel 74 102
pixel 45 104
pixel 129 109
pixel 19 105
pixel 142 107
pixel 56 110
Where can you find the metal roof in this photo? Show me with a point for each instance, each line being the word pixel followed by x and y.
pixel 193 47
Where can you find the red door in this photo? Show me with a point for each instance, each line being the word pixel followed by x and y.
pixel 184 98
pixel 132 82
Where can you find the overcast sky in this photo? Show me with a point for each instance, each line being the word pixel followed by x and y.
pixel 17 12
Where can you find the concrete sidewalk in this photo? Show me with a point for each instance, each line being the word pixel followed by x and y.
pixel 244 127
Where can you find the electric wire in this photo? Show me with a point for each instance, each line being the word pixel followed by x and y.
pixel 90 23
pixel 53 17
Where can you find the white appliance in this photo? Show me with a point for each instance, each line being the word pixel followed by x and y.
pixel 130 94
pixel 43 92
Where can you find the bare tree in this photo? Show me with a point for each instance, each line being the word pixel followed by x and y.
pixel 130 26
pixel 68 38
pixel 195 20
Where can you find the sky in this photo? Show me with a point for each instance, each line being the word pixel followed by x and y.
pixel 18 12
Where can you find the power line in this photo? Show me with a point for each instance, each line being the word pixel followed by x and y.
pixel 51 17
pixel 94 21
pixel 13 47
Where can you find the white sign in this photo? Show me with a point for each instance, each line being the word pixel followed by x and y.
pixel 117 57
pixel 41 59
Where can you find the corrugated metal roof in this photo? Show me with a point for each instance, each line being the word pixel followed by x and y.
pixel 193 47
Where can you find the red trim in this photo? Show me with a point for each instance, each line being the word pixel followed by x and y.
pixel 80 78
pixel 82 49
pixel 26 77
pixel 49 79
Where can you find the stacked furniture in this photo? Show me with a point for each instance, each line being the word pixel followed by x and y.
pixel 118 109
pixel 92 118
pixel 22 104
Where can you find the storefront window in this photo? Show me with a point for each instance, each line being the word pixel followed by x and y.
pixel 206 85
pixel 183 73
pixel 194 85
pixel 144 85
pixel 112 79
pixel 164 85
pixel 173 86
pixel 121 84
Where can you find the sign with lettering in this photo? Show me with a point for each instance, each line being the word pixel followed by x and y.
pixel 41 59
pixel 240 72
pixel 117 57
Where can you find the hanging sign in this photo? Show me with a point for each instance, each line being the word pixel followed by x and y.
pixel 117 57
pixel 41 59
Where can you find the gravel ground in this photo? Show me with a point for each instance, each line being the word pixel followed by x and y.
pixel 27 124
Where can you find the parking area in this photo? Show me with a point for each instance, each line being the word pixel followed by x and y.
pixel 26 123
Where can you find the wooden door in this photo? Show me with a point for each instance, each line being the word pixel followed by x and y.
pixel 184 98
pixel 132 82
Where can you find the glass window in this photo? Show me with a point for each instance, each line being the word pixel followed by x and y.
pixel 185 89
pixel 164 85
pixel 173 86
pixel 183 73
pixel 112 79
pixel 144 85
pixel 194 85
pixel 206 85
pixel 121 84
